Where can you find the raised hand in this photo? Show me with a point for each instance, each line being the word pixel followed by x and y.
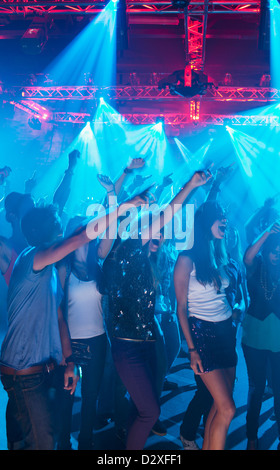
pixel 167 180
pixel 200 178
pixel 73 158
pixel 274 228
pixel 5 171
pixel 30 183
pixel 106 182
pixel 139 180
pixel 223 173
pixel 136 163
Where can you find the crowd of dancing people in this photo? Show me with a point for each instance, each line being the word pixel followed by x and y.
pixel 88 303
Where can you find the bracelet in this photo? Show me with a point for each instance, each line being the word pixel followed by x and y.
pixel 127 170
pixel 112 191
pixel 69 359
pixel 192 350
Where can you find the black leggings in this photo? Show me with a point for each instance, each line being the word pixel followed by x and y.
pixel 257 361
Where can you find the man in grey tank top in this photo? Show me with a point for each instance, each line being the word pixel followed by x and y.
pixel 37 338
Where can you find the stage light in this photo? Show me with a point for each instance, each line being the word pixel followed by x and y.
pixel 158 126
pixel 176 84
pixel 92 51
pixel 181 4
pixel 35 37
pixel 154 78
pixel 134 79
pixel 265 80
pixel 228 79
pixel 160 119
pixel 35 123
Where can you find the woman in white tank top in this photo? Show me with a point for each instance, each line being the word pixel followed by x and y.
pixel 201 279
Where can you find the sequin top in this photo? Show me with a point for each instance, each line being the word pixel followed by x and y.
pixel 131 291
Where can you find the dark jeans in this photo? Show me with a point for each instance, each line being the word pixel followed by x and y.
pixel 30 407
pixel 92 372
pixel 168 343
pixel 135 362
pixel 257 362
pixel 113 400
pixel 198 407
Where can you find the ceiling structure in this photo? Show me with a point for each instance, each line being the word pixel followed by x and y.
pixel 226 43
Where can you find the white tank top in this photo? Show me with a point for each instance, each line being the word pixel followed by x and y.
pixel 205 303
pixel 85 316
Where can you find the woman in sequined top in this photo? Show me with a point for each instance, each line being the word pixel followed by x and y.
pixel 261 326
pixel 131 292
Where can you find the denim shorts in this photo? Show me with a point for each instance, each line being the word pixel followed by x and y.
pixel 215 342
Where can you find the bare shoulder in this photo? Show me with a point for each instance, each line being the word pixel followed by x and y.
pixel 184 262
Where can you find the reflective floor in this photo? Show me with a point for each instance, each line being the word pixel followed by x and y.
pixel 173 406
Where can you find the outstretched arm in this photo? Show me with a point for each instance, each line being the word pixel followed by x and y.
pixel 254 248
pixel 62 192
pixel 109 236
pixel 133 164
pixel 183 268
pixel 198 179
pixel 90 231
pixel 253 225
pixel 221 175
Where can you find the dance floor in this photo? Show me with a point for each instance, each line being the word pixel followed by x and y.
pixel 173 406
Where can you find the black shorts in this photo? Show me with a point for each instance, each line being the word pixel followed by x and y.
pixel 215 342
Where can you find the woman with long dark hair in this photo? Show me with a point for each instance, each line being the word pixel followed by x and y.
pixel 131 296
pixel 205 283
pixel 261 327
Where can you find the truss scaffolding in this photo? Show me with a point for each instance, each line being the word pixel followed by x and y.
pixel 196 7
pixel 223 93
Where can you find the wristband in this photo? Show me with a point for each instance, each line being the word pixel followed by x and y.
pixel 127 170
pixel 192 350
pixel 69 359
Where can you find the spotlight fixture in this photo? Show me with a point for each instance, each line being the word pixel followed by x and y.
pixel 176 82
pixel 228 79
pixel 154 78
pixel 35 37
pixel 134 79
pixel 35 123
pixel 265 80
pixel 159 119
pixel 180 4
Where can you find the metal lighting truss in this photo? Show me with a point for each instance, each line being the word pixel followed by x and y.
pixel 34 99
pixel 174 120
pixel 195 18
pixel 196 7
pixel 131 93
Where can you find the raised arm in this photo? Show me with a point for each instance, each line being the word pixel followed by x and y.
pixel 90 231
pixel 133 164
pixel 182 270
pixel 62 192
pixel 107 238
pixel 255 247
pixel 198 179
pixel 220 177
pixel 254 226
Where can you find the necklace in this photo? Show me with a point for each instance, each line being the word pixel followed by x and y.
pixel 268 294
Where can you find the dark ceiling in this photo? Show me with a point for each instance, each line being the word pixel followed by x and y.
pixel 154 45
